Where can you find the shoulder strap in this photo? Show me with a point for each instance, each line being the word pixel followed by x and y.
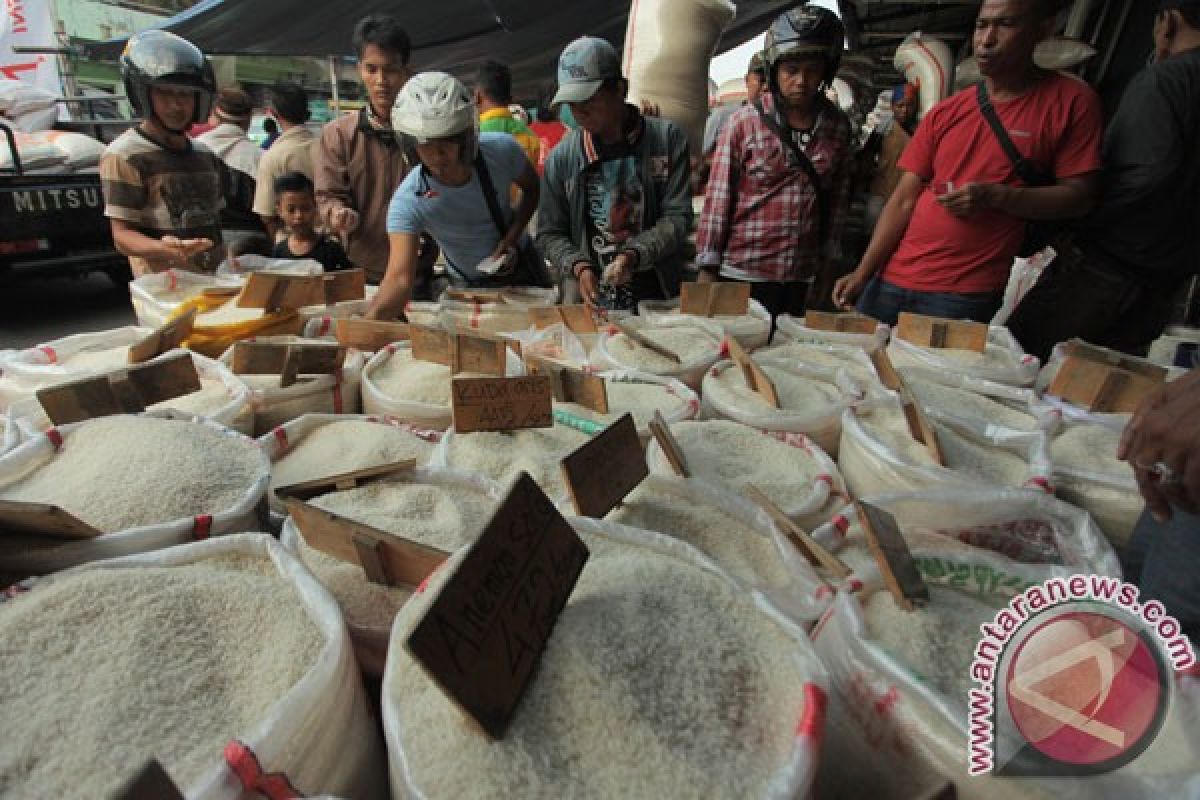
pixel 1026 170
pixel 805 164
pixel 489 194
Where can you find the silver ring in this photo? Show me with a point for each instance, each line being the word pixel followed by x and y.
pixel 1164 474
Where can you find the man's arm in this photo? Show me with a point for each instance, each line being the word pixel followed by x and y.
pixel 712 233
pixel 670 231
pixel 530 186
pixel 889 232
pixel 554 217
pixel 335 201
pixel 396 286
pixel 1070 198
pixel 161 254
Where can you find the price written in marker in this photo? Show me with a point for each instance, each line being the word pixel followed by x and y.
pixel 484 634
pixel 502 404
pixel 602 472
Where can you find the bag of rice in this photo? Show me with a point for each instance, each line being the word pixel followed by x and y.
pixel 796 474
pixel 1003 360
pixel 752 329
pixel 696 342
pixel 504 310
pixel 157 296
pixel 225 660
pixel 1088 474
pixel 662 677
pixel 793 330
pixel 556 343
pixel 440 508
pixel 146 481
pixel 978 399
pixel 502 456
pixel 637 393
pixel 812 400
pixel 851 359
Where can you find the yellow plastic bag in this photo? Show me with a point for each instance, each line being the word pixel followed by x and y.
pixel 213 340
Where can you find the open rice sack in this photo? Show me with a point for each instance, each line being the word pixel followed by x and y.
pixel 638 393
pixel 440 508
pixel 695 342
pixel 144 481
pixel 978 399
pixel 851 359
pixel 224 660
pixel 788 468
pixel 1088 474
pixel 752 329
pixel 1027 527
pixel 494 310
pixel 1002 361
pixel 556 343
pixel 662 677
pixel 157 296
pixel 275 405
pixel 793 330
pixel 812 399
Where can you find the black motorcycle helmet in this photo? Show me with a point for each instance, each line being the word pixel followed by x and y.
pixel 805 31
pixel 159 58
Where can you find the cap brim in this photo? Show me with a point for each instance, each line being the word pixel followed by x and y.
pixel 577 92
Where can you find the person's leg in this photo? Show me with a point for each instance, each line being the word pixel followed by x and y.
pixel 1141 322
pixel 1170 571
pixel 883 301
pixel 947 305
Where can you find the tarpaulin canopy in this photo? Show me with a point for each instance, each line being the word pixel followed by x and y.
pixel 449 34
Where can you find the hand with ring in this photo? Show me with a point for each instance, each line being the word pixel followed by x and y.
pixel 1162 442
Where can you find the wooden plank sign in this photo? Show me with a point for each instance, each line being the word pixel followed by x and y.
pixel 756 379
pixel 1113 358
pixel 221 291
pixel 163 340
pixel 127 391
pixel 888 375
pixel 344 285
pixel 484 634
pixel 287 360
pixel 577 318
pixel 643 341
pixel 275 292
pixel 502 404
pixel 151 783
pixel 944 334
pixel 388 560
pixel 1099 387
pixel 840 323
pixel 716 299
pixel 343 482
pixel 480 353
pixel 602 472
pixel 572 385
pixel 432 344
pixel 891 552
pixel 919 425
pixel 42 519
pixel 369 336
pixel 670 447
pixel 814 551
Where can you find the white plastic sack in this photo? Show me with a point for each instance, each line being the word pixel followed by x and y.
pixel 509 313
pixel 39 556
pixel 1019 399
pixel 556 343
pixel 1024 276
pixel 36 121
pixel 686 404
pixel 18 97
pixel 320 736
pixel 690 374
pixel 1003 361
pixel 752 329
pixel 1055 53
pixel 157 295
pixel 927 62
pixel 1111 497
pixel 793 329
pixel 242 266
pixel 848 358
pixel 36 151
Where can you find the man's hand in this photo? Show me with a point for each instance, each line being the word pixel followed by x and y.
pixel 971 199
pixel 344 221
pixel 650 109
pixel 1165 433
pixel 620 271
pixel 588 282
pixel 848 288
pixel 180 251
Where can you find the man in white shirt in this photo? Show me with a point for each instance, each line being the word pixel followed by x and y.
pixel 231 120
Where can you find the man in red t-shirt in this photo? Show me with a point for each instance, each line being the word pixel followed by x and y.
pixel 947 237
pixel 550 132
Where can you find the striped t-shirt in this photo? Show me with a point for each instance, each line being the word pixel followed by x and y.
pixel 163 192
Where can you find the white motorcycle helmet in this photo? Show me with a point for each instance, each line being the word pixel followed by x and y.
pixel 435 105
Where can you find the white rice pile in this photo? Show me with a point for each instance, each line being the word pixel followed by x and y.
pixel 889 427
pixel 849 359
pixel 639 399
pixel 108 668
pixel 344 446
pixel 103 360
pixel 228 313
pixel 968 404
pixel 1090 448
pixel 994 356
pixel 407 379
pixel 795 392
pixel 213 396
pixel 502 456
pixel 691 344
pixel 981 461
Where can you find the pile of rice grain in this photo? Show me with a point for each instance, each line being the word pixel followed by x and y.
pixel 502 456
pixel 344 446
pixel 964 403
pixel 690 343
pixel 108 668
pixel 796 392
pixel 411 380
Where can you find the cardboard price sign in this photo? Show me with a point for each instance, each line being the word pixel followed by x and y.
pixel 287 360
pixel 755 378
pixel 369 336
pixel 275 292
pixel 484 634
pixel 895 561
pixel 127 391
pixel 151 783
pixel 813 550
pixel 1112 358
pixel 715 299
pixel 572 385
pixel 602 472
pixel 1099 387
pixel 670 447
pixel 344 285
pixel 480 353
pixel 577 319
pixel 163 340
pixel 346 481
pixel 432 344
pixel 42 519
pixel 943 334
pixel 650 345
pixel 502 404
pixel 386 559
pixel 840 323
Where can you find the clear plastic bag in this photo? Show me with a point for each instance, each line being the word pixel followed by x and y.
pixel 752 329
pixel 794 330
pixel 691 373
pixel 1003 362
pixel 509 312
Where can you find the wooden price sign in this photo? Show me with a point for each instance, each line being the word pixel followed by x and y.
pixel 1105 381
pixel 670 447
pixel 502 404
pixel 840 323
pixel 344 481
pixel 755 378
pixel 275 292
pixel 1113 358
pixel 717 299
pixel 434 345
pixel 572 385
pixel 127 391
pixel 369 336
pixel 577 319
pixel 814 551
pixel 480 353
pixel 484 634
pixel 942 333
pixel 287 360
pixel 602 472
pixel 151 783
pixel 652 346
pixel 163 340
pixel 217 292
pixel 918 424
pixel 42 519
pixel 344 285
pixel 891 552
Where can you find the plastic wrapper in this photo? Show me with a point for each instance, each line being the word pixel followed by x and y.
pixel 690 373
pixel 752 329
pixel 793 330
pixel 1003 362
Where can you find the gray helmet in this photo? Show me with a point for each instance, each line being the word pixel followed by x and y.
pixel 159 58
pixel 805 31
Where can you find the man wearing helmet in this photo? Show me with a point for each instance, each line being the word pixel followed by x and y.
pixel 162 192
pixel 458 194
pixel 777 196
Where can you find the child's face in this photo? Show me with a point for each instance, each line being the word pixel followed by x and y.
pixel 297 210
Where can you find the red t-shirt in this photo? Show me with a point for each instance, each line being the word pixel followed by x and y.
pixel 550 134
pixel 1058 125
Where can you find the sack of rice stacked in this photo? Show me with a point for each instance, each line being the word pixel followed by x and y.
pixel 502 456
pixel 795 330
pixel 493 310
pixel 638 393
pixel 789 469
pixel 1088 474
pixel 661 678
pixel 441 508
pixel 1002 361
pixel 752 329
pixel 224 660
pixel 145 482
pixel 696 344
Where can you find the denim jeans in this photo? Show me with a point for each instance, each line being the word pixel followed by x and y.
pixel 885 302
pixel 1164 561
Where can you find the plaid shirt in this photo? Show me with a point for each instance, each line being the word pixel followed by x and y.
pixel 760 220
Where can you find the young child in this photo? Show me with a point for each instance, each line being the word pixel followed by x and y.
pixel 296 205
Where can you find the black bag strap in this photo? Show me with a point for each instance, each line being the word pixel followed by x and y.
pixel 489 194
pixel 1026 170
pixel 805 163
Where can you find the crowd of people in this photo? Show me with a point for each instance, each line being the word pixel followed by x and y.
pixel 433 167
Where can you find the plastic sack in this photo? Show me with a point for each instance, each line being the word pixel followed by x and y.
pixel 18 97
pixel 691 374
pixel 371 642
pixel 240 267
pixel 556 343
pixel 926 62
pixel 1003 362
pixel 157 296
pixel 687 406
pixel 752 329
pixel 10 434
pixel 1026 527
pixel 508 312
pixel 1179 346
pixel 423 313
pixel 1112 498
pixel 40 556
pixel 793 329
pixel 1024 276
pixel 35 151
pixel 794 775
pixel 852 359
pixel 339 393
pixel 317 738
pixel 1019 399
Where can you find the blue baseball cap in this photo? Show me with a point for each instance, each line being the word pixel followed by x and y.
pixel 583 67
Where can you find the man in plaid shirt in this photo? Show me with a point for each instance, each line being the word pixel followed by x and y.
pixel 765 221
